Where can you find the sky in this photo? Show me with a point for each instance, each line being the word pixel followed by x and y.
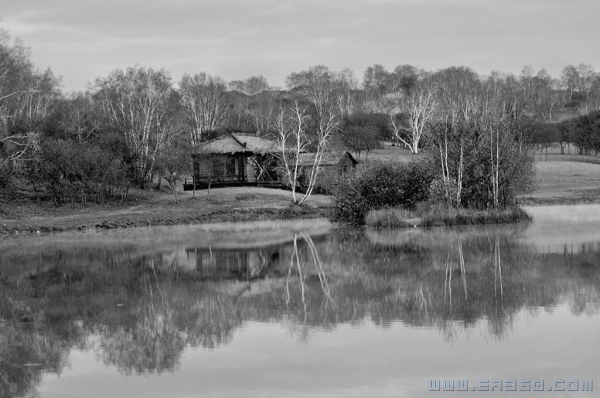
pixel 81 40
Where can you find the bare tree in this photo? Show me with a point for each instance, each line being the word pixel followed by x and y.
pixel 345 87
pixel 512 96
pixel 593 98
pixel 203 99
pixel 81 118
pixel 251 86
pixel 543 94
pixel 134 103
pixel 24 94
pixel 420 107
pixel 404 78
pixel 570 79
pixel 261 109
pixel 377 79
pixel 293 139
pixel 174 162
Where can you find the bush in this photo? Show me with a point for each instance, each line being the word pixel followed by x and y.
pixel 78 171
pixel 381 185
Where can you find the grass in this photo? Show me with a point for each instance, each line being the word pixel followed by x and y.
pixel 388 152
pixel 557 157
pixel 438 216
pixel 232 204
pixel 391 218
pixel 442 216
pixel 564 181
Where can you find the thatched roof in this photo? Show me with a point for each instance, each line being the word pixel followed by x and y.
pixel 236 143
pixel 329 158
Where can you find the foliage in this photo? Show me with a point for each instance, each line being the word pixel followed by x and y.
pixel 544 135
pixel 137 102
pixel 173 163
pixel 587 133
pixel 378 121
pixel 360 138
pixel 379 185
pixel 69 170
pixel 26 97
pixel 364 131
pixel 481 167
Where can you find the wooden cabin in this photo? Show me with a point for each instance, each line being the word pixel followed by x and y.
pixel 235 159
pixel 333 167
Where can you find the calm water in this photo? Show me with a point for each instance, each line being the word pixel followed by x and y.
pixel 304 310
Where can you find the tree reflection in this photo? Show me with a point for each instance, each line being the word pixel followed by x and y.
pixel 26 348
pixel 307 289
pixel 152 342
pixel 139 310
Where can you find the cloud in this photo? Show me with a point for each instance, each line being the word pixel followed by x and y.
pixel 240 38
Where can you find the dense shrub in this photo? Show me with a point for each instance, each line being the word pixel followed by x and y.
pixel 381 185
pixel 79 171
pixel 364 132
pixel 474 156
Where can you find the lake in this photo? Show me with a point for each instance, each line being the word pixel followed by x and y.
pixel 304 309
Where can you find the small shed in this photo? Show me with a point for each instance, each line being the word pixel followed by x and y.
pixel 333 167
pixel 235 159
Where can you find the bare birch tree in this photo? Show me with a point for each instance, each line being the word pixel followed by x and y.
pixel 420 107
pixel 293 139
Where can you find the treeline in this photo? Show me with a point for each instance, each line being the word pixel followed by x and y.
pixel 137 125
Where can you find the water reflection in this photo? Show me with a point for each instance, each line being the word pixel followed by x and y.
pixel 140 306
pixel 564 228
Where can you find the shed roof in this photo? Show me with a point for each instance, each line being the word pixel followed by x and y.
pixel 235 143
pixel 329 158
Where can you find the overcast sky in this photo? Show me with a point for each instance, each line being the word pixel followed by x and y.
pixel 235 39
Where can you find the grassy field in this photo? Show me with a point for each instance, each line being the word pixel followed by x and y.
pixel 565 181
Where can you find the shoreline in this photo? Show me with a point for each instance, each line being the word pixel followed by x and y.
pixel 230 207
pixel 144 219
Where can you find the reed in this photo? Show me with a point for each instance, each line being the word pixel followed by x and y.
pixel 439 216
pixel 429 216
